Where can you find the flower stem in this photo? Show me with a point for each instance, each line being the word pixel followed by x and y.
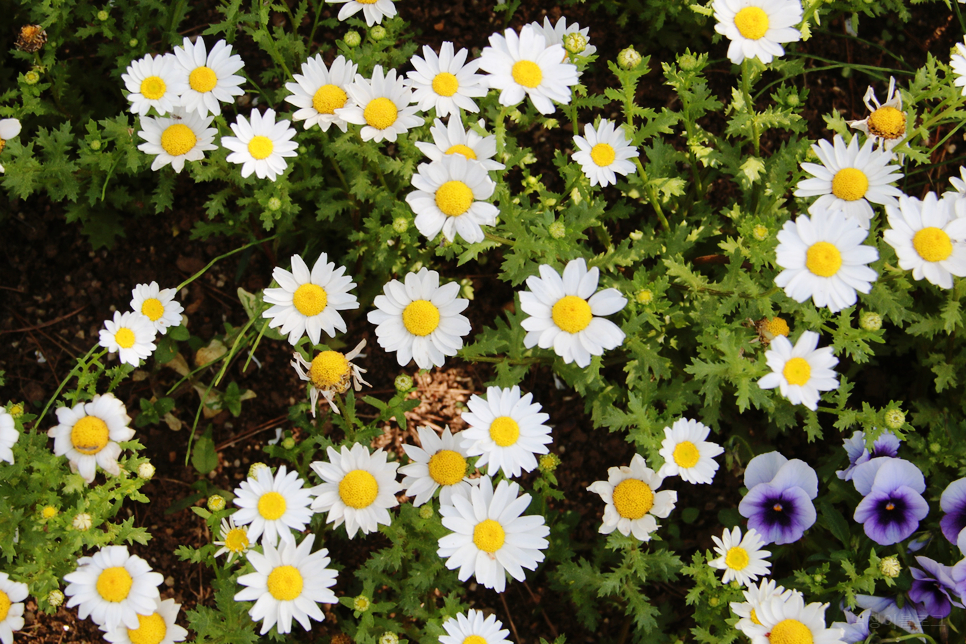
pixel 652 196
pixel 499 240
pixel 221 257
pixel 749 104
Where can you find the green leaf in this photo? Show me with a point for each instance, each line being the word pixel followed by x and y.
pixel 203 456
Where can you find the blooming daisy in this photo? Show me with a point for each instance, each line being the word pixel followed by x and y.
pixel 524 65
pixel 88 435
pixel 9 128
pixel 319 91
pixel 273 506
pixel 562 316
pixel 234 539
pixel 741 558
pixel 446 82
pixel 555 34
pixel 849 178
pixel 473 628
pixel 154 81
pixel 158 627
pixel 261 145
pixel 927 237
pixel 8 436
pixel 450 196
pixel 505 430
pixel 756 28
pixel 439 464
pixel 12 594
pixel 330 373
pixel 800 372
pixel 632 499
pixel 453 139
pixel 381 105
pixel 288 583
pixel 158 306
pixel 113 587
pixel 755 596
pixel 373 10
pixel 310 301
pixel 958 183
pixel 489 537
pixel 211 75
pixel 604 152
pixel 887 122
pixel 184 136
pixel 788 619
pixel 420 320
pixel 958 62
pixel 357 488
pixel 686 452
pixel 131 335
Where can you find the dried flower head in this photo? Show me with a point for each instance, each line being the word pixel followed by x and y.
pixel 31 38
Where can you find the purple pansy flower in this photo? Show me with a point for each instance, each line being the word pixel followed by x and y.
pixel 885 445
pixel 779 500
pixel 893 505
pixel 885 609
pixel 855 628
pixel 953 503
pixel 931 588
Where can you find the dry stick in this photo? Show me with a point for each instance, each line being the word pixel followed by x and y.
pixel 543 613
pixel 513 627
pixel 266 425
pixel 45 324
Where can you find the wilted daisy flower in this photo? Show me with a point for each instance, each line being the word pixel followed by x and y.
pixel 330 373
pixel 849 178
pixel 741 558
pixel 113 587
pixel 288 583
pixel 310 301
pixel 756 28
pixel 489 537
pixel 262 145
pixel 154 81
pixel 555 34
pixel 8 436
pixel 319 91
pixel 446 82
pixel 632 499
pixel 12 594
pixel 381 105
pixel 357 488
pixel 802 371
pixel 927 237
pixel 686 452
pixel 158 627
pixel 88 435
pixel 184 136
pixel 562 316
pixel 958 63
pixel 273 506
pixel 130 335
pixel 524 65
pixel 453 139
pixel 9 128
pixel 755 596
pixel 439 464
pixel 211 75
pixel 505 430
pixel 788 619
pixel 450 196
pixel 158 306
pixel 472 628
pixel 420 321
pixel 234 539
pixel 778 504
pixel 373 10
pixel 603 153
pixel 887 122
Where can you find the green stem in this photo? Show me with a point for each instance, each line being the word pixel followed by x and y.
pixel 73 372
pixel 652 195
pixel 909 637
pixel 223 256
pixel 231 352
pixel 315 24
pixel 503 359
pixel 959 16
pixel 499 129
pixel 258 339
pixel 749 104
pixel 499 240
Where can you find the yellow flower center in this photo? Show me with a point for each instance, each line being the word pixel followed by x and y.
pixel 48 512
pixel 271 506
pixel 602 154
pixel 89 435
pixel 489 536
pixel 2 144
pixel 285 583
pixel 114 584
pixel 790 631
pixel 202 79
pixel 850 184
pixel 753 616
pixel 447 467
pixel 752 22
pixel 737 558
pixel 358 489
pixel 260 147
pixel 178 139
pixel 328 99
pixel 151 630
pixel 504 431
pixel 445 84
pixel 237 540
pixel 475 639
pixel 454 198
pixel 124 337
pixel 5 604
pixel 571 314
pixel 633 498
pixel 329 369
pixel 823 259
pixel 932 244
pixel 152 308
pixel 459 148
pixel 380 113
pixel 153 88
pixel 367 1
pixel 887 122
pixel 686 455
pixel 421 317
pixel 527 73
pixel 310 299
pixel 776 326
pixel 797 371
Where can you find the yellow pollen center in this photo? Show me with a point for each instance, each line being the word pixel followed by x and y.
pixel 571 314
pixel 5 604
pixel 932 244
pixel 380 113
pixel 3 143
pixel 686 455
pixel 602 154
pixel 753 616
pixel 489 536
pixel 178 139
pixel 459 148
pixel 328 99
pixel 420 317
pixel 151 630
pixel 358 489
pixel 790 631
pixel 777 326
pixel 114 584
pixel 447 467
pixel 124 337
pixel 89 435
pixel 737 558
pixel 504 431
pixel 474 639
pixel 49 512
pixel 777 507
pixel 285 583
pixel 445 84
pixel 310 299
pixel 260 147
pixel 271 506
pixel 633 498
pixel 237 540
pixel 850 184
pixel 887 122
pixel 153 88
pixel 329 369
pixel 890 506
pixel 823 259
pixel 527 73
pixel 152 308
pixel 752 22
pixel 797 371
pixel 202 79
pixel 454 198
pixel 367 1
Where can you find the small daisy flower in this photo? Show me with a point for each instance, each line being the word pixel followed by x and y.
pixel 10 128
pixel 330 373
pixel 319 91
pixel 824 259
pixel 184 136
pixel 958 63
pixel 490 537
pixel 158 627
pixel 788 619
pixel 927 236
pixel 131 335
pixel 564 313
pixel 521 66
pixel 113 587
pixel 211 75
pixel 555 34
pixel 802 371
pixel 887 122
pixel 154 81
pixel 686 452
pixel 632 499
pixel 234 539
pixel 310 301
pixel 453 139
pixel 604 152
pixel 505 431
pixel 8 436
pixel 357 488
pixel 755 597
pixel 440 464
pixel 288 583
pixel 373 10
pixel 12 594
pixel 273 506
pixel 88 435
pixel 849 178
pixel 756 28
pixel 451 196
pixel 261 145
pixel 381 105
pixel 446 82
pixel 420 320
pixel 474 628
pixel 741 558
pixel 958 183
pixel 158 306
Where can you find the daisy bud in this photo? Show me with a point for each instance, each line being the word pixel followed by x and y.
pixel 687 62
pixel 792 100
pixel 713 602
pixel 95 145
pixel 636 235
pixel 426 512
pixel 361 603
pixel 403 383
pixel 400 224
pixel 82 522
pixel 352 39
pixel 146 471
pixel 253 470
pixel 935 448
pixel 548 463
pixel 870 321
pixel 890 566
pixel 760 232
pixel 895 418
pixel 377 33
pixel 274 204
pixel 216 503
pixel 558 230
pixel 644 296
pixel 103 15
pixel 133 42
pixel 575 42
pixel 389 638
pixel 55 598
pixel 31 77
pixel 16 410
pixel 629 58
pixel 288 443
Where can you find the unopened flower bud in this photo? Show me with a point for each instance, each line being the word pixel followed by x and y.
pixel 890 567
pixel 288 443
pixel 253 470
pixel 49 512
pixel 55 598
pixel 31 77
pixel 146 470
pixel 377 33
pixel 403 383
pixel 274 204
pixel 558 230
pixel 389 638
pixel 95 145
pixel 216 503
pixel 629 58
pixel 644 296
pixel 426 511
pixel 133 42
pixel 760 232
pixel 687 62
pixel 361 603
pixel 352 39
pixel 575 42
pixel 713 601
pixel 103 15
pixel 400 224
pixel 549 462
pixel 870 321
pixel 16 410
pixel 895 418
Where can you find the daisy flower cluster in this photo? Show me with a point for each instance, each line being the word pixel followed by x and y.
pixel 132 334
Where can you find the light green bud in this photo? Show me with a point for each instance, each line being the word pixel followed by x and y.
pixel 103 15
pixel 426 511
pixel 895 418
pixel 870 321
pixel 403 383
pixel 31 77
pixel 558 230
pixel 352 39
pixel 216 503
pixel 575 42
pixel 629 58
pixel 378 32
pixel 274 204
pixel 400 224
pixel 288 443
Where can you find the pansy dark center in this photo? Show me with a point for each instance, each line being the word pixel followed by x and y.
pixel 892 510
pixel 778 511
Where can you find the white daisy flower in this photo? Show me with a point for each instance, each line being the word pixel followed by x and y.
pixel 10 128
pixel 88 435
pixel 756 28
pixel 12 594
pixel 158 627
pixel 686 452
pixel 958 183
pixel 489 537
pixel 373 10
pixel 261 145
pixel 562 316
pixel 420 320
pixel 505 431
pixel 358 488
pixel 330 373
pixel 211 75
pixel 154 81
pixel 928 236
pixel 824 259
pixel 450 196
pixel 184 136
pixel 158 306
pixel 113 587
pixel 310 301
pixel 131 335
pixel 788 619
pixel 555 34
pixel 632 499
pixel 234 539
pixel 741 558
pixel 958 62
pixel 440 464
pixel 8 436
pixel 381 105
pixel 319 91
pixel 887 122
pixel 800 372
pixel 604 152
pixel 288 583
pixel 273 506
pixel 446 82
pixel 524 65
pixel 453 139
pixel 849 178
pixel 474 628
pixel 755 597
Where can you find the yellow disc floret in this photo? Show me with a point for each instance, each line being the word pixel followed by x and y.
pixel 358 489
pixel 686 455
pixel 202 79
pixel 602 154
pixel 737 558
pixel 285 583
pixel 797 371
pixel 932 244
pixel 420 317
pixel 271 506
pixel 447 467
pixel 527 73
pixel 151 630
pixel 776 326
pixel 329 370
pixel 5 604
pixel 633 498
pixel 89 435
pixel 474 639
pixel 260 147
pixel 489 535
pixel 790 631
pixel 237 540
pixel 310 299
pixel 153 88
pixel 114 584
pixel 49 512
pixel 823 259
pixel 850 184
pixel 504 431
pixel 753 616
pixel 152 308
pixel 178 139
pixel 124 337
pixel 887 122
pixel 752 23
pixel 454 198
pixel 445 84
pixel 328 98
pixel 571 314
pixel 459 148
pixel 380 113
